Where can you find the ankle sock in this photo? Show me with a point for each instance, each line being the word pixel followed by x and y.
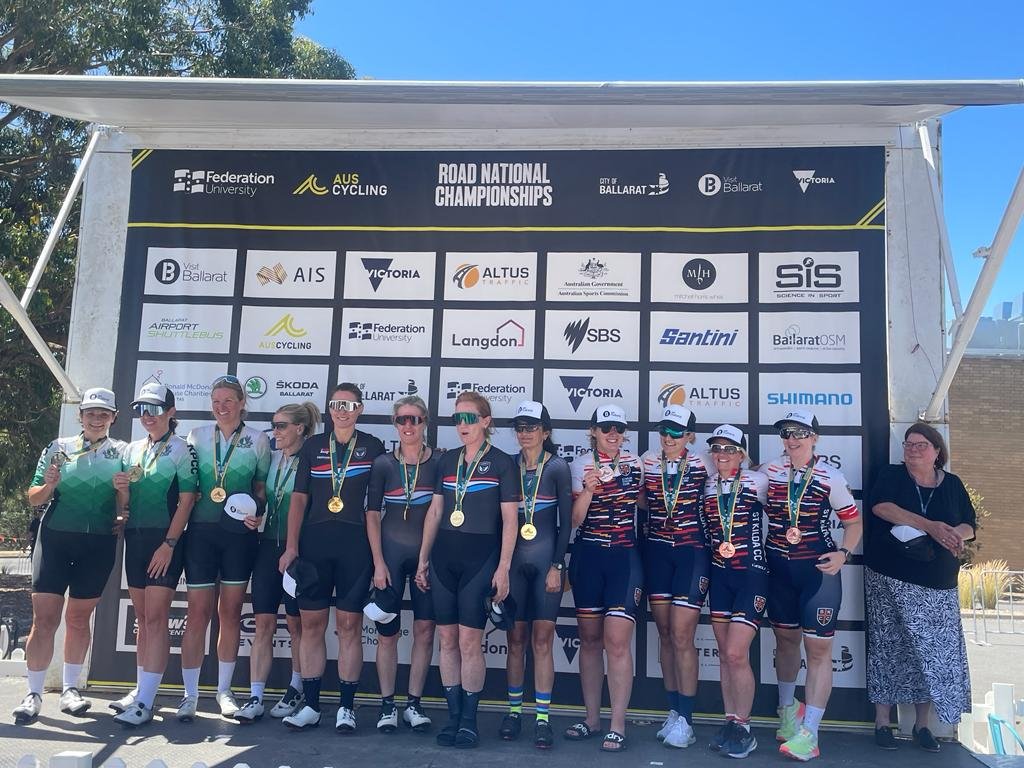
pixel 543 704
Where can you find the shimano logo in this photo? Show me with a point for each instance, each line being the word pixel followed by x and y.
pixel 810 398
pixel 807 178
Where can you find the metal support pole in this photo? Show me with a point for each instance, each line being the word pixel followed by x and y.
pixel 940 223
pixel 10 302
pixel 979 296
pixel 58 223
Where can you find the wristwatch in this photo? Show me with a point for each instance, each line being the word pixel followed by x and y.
pixel 846 552
pixel 558 566
pixel 170 541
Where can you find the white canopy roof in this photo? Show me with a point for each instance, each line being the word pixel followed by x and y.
pixel 191 103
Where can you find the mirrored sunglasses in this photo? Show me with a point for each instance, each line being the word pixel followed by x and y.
pixel 465 417
pixel 796 433
pixel 526 427
pixel 149 409
pixel 227 379
pixel 408 420
pixel 606 428
pixel 669 432
pixel 343 405
pixel 727 449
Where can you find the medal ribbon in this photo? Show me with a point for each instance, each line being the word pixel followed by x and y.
pixel 805 483
pixel 152 453
pixel 672 498
pixel 85 446
pixel 277 492
pixel 735 491
pixel 462 481
pixel 614 462
pixel 220 468
pixel 338 480
pixel 530 490
pixel 409 488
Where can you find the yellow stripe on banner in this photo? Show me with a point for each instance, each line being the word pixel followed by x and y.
pixel 137 160
pixel 876 209
pixel 353 228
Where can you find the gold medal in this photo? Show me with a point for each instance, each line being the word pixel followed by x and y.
pixel 218 494
pixel 793 535
pixel 335 505
pixel 528 532
pixel 134 473
pixel 457 518
pixel 59 459
pixel 726 549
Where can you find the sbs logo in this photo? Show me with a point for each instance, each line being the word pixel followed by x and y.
pixel 577 332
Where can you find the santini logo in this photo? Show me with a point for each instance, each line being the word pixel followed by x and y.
pixel 577 332
pixel 578 387
pixel 806 178
pixel 707 338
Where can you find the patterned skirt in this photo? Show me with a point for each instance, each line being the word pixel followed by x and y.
pixel 916 650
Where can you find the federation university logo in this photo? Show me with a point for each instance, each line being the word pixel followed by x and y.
pixel 189 181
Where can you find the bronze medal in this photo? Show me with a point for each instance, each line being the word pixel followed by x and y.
pixel 134 473
pixel 793 535
pixel 59 459
pixel 218 494
pixel 528 531
pixel 727 549
pixel 457 518
pixel 605 474
pixel 335 505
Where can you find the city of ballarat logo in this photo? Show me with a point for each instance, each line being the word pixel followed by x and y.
pixel 578 387
pixel 593 268
pixel 699 274
pixel 610 185
pixel 377 269
pixel 569 636
pixel 807 178
pixel 255 387
pixel 387 395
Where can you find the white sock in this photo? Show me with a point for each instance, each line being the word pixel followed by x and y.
pixel 72 672
pixel 256 689
pixel 787 693
pixel 296 681
pixel 225 671
pixel 149 682
pixel 744 724
pixel 812 718
pixel 139 672
pixel 36 679
pixel 190 678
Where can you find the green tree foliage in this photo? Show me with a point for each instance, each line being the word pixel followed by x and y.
pixel 39 152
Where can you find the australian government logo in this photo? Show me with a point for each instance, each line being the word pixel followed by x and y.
pixel 211 182
pixel 493 185
pixel 592 278
pixel 343 184
pixel 612 185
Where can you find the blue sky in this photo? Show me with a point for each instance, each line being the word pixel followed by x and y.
pixel 983 147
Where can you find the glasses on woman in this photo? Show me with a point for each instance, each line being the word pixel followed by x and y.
pixel 669 432
pixel 465 417
pixel 149 409
pixel 527 428
pixel 277 426
pixel 226 379
pixel 729 450
pixel 409 420
pixel 343 405
pixel 916 445
pixel 606 428
pixel 795 433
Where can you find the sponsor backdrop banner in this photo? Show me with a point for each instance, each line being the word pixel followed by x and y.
pixel 739 283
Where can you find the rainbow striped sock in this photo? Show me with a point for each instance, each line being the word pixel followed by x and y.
pixel 543 704
pixel 515 700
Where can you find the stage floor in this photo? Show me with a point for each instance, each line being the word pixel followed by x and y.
pixel 268 744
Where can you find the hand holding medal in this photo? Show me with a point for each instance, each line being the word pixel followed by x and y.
pixel 220 467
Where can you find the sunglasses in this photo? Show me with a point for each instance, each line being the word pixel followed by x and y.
pixel 465 417
pixel 149 409
pixel 795 433
pixel 606 428
pixel 669 432
pixel 917 445
pixel 408 421
pixel 344 405
pixel 228 379
pixel 528 428
pixel 726 449
pixel 277 425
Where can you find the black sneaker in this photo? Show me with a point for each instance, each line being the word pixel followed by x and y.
pixel 740 744
pixel 543 736
pixel 884 738
pixel 721 736
pixel 511 726
pixel 924 739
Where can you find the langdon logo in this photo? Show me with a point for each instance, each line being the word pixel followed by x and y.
pixel 344 184
pixel 807 178
pixel 377 269
pixel 255 387
pixel 508 334
pixel 579 387
pixel 610 185
pixel 219 182
pixel 577 332
pixel 468 276
pixel 699 274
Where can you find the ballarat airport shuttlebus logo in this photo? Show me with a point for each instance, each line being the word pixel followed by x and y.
pixel 344 184
pixel 807 178
pixel 211 182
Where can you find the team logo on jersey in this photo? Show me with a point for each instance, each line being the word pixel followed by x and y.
pixel 637 594
pixel 703 584
pixel 625 470
pixel 359 453
pixel 111 453
pixel 759 603
pixel 483 467
pixel 824 616
pixel 245 442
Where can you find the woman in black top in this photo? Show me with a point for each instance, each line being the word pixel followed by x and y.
pixel 918 518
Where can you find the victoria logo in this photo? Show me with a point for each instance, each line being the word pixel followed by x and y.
pixel 570 638
pixel 699 274
pixel 579 387
pixel 377 269
pixel 807 178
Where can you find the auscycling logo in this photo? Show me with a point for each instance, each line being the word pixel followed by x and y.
pixel 344 184
pixel 220 182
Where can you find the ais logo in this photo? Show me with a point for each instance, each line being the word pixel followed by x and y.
pixel 809 275
pixel 278 275
pixel 578 387
pixel 577 332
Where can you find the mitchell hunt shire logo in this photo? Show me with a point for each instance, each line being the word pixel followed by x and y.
pixel 378 269
pixel 579 387
pixel 807 178
pixel 344 184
